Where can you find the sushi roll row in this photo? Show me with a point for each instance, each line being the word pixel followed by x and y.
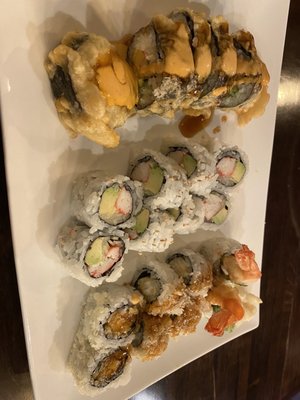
pixel 183 189
pixel 181 62
pixel 163 300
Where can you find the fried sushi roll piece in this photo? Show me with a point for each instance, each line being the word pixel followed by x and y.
pixel 231 306
pixel 194 269
pixel 163 290
pixel 94 88
pixel 153 231
pixel 231 166
pixel 187 322
pixel 231 260
pixel 103 203
pixel 91 258
pixel 110 316
pixel 152 337
pixel 164 183
pixel 96 370
pixel 198 165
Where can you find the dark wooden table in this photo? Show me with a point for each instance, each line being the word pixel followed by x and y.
pixel 263 364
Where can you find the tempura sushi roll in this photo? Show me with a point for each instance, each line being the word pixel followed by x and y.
pixel 187 322
pixel 198 165
pixel 110 316
pixel 231 166
pixel 153 231
pixel 152 338
pixel 94 88
pixel 231 260
pixel 163 181
pixel 194 269
pixel 216 206
pixel 96 370
pixel 163 290
pixel 189 216
pixel 91 257
pixel 103 203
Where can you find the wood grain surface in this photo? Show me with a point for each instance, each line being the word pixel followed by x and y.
pixel 261 365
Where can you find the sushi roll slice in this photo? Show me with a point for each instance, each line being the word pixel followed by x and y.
pixel 152 338
pixel 91 258
pixel 231 260
pixel 110 316
pixel 94 88
pixel 188 217
pixel 163 290
pixel 198 165
pixel 109 204
pixel 96 370
pixel 231 166
pixel 216 208
pixel 153 231
pixel 194 269
pixel 187 322
pixel 163 181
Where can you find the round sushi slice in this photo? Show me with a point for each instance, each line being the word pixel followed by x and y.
pixel 163 181
pixel 91 258
pixel 96 370
pixel 163 290
pixel 216 208
pixel 198 165
pixel 94 88
pixel 111 316
pixel 152 337
pixel 194 269
pixel 106 203
pixel 231 260
pixel 189 216
pixel 153 231
pixel 187 322
pixel 231 166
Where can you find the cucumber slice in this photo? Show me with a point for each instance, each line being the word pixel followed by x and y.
pixel 155 181
pixel 142 221
pixel 220 217
pixel 238 172
pixel 189 164
pixel 174 213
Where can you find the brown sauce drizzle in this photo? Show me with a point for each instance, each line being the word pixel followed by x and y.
pixel 190 125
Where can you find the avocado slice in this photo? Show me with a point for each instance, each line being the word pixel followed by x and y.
pixel 96 253
pixel 174 212
pixel 220 217
pixel 142 221
pixel 108 200
pixel 238 172
pixel 189 164
pixel 155 181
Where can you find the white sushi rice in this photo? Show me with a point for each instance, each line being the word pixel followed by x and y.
pixel 83 360
pixel 169 281
pixel 214 249
pixel 100 303
pixel 191 216
pixel 173 190
pixel 86 195
pixel 73 242
pixel 204 177
pixel 158 236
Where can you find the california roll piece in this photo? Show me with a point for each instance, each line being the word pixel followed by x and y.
pixel 189 216
pixel 231 166
pixel 231 260
pixel 94 88
pixel 198 165
pixel 163 181
pixel 194 269
pixel 153 231
pixel 91 257
pixel 106 203
pixel 163 290
pixel 216 208
pixel 110 316
pixel 152 337
pixel 96 370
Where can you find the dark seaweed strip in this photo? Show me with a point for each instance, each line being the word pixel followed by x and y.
pixel 241 50
pixel 215 48
pixel 160 53
pixel 61 85
pixel 76 43
pixel 237 95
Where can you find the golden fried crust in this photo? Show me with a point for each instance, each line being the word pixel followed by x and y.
pixel 174 301
pixel 187 322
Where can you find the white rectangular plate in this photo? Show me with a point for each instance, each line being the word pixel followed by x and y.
pixel 41 162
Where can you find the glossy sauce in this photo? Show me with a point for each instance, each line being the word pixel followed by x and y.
pixel 190 125
pixel 255 110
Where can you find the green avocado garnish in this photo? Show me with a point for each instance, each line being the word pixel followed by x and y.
pixel 142 221
pixel 108 200
pixel 189 164
pixel 238 172
pixel 220 217
pixel 174 213
pixel 155 181
pixel 96 253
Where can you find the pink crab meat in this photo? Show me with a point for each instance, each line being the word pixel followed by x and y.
pixel 124 202
pixel 225 166
pixel 112 257
pixel 177 156
pixel 212 205
pixel 141 172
